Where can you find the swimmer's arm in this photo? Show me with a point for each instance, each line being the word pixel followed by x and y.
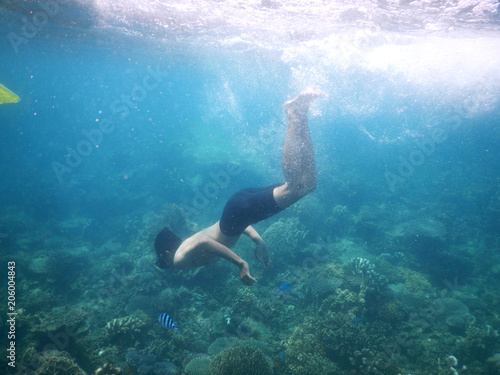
pixel 205 249
pixel 261 252
pixel 253 234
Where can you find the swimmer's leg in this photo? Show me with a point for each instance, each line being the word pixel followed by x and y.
pixel 298 155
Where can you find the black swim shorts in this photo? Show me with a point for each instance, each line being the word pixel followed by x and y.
pixel 246 207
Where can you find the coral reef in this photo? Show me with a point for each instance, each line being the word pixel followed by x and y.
pixel 364 271
pixel 310 210
pixel 415 281
pixel 424 227
pixel 123 329
pixel 340 220
pixel 147 364
pixel 245 301
pixel 342 335
pixel 199 365
pixel 345 301
pixel 73 261
pixel 169 298
pixel 40 264
pixel 451 366
pixel 479 341
pixel 493 364
pixel 320 287
pixel 37 299
pixel 397 258
pixel 351 299
pixel 60 317
pixel 368 362
pixel 286 237
pixel 329 340
pixel 241 360
pixel 392 311
pixel 313 364
pixel 305 353
pixel 222 343
pixel 253 328
pixel 456 314
pixel 176 218
pixel 50 362
pixel 108 369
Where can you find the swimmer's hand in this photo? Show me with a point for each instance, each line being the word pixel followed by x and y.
pixel 245 276
pixel 262 254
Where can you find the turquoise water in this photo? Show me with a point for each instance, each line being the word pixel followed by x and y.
pixel 136 116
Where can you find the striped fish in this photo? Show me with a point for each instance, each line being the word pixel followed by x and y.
pixel 167 322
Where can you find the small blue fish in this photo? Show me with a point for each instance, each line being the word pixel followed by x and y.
pixel 167 322
pixel 284 288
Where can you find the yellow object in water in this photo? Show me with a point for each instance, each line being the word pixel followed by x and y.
pixel 7 96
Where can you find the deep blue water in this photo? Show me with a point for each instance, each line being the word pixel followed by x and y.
pixel 200 110
pixel 121 116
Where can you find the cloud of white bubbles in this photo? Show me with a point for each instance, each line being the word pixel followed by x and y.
pixel 364 70
pixel 366 55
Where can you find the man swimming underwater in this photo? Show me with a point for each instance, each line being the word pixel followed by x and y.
pixel 249 206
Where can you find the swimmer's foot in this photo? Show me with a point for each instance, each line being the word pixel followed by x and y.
pixel 301 104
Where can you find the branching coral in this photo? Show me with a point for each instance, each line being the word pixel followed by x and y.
pixel 365 272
